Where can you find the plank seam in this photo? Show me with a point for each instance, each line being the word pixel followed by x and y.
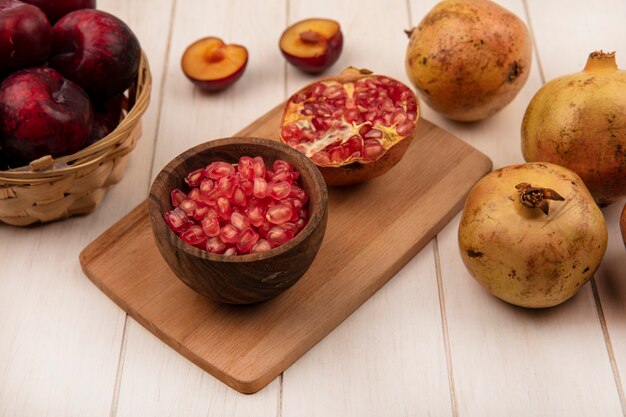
pixel 532 36
pixel 166 59
pixel 444 329
pixel 609 345
pixel 120 369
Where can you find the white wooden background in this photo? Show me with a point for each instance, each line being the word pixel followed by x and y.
pixel 431 342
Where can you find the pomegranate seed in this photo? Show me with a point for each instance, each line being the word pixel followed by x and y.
pixel 298 193
pixel 278 190
pixel 258 166
pixel 373 134
pixel 277 236
pixel 229 233
pixel 239 221
pixel 210 226
pixel 230 209
pixel 231 251
pixel 219 169
pixel 201 211
pixel 177 197
pixel 245 167
pixel 261 245
pixel 239 197
pixel 247 239
pixel 260 188
pixel 398 117
pixel 321 158
pixel 405 128
pixel 264 228
pixel 256 215
pixel 223 208
pixel 304 214
pixel 372 149
pixel 175 221
pixel 215 245
pixel 279 214
pixel 317 89
pixel 301 223
pixel 188 206
pixel 289 227
pixel 194 235
pixel 226 186
pixel 194 178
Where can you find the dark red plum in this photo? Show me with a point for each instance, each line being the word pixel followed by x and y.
pixel 96 50
pixel 42 113
pixel 25 36
pixel 106 117
pixel 56 9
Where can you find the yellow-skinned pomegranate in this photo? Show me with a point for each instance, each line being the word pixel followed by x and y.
pixel 579 121
pixel 469 58
pixel 531 234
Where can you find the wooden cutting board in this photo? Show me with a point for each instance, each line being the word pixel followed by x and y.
pixel 373 230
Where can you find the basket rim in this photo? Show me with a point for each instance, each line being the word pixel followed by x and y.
pixel 96 152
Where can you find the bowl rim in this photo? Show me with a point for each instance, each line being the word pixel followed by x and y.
pixel 304 164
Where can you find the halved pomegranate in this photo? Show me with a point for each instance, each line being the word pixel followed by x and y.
pixel 355 126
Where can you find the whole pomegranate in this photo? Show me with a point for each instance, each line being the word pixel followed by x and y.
pixel 355 126
pixel 531 234
pixel 577 121
pixel 469 58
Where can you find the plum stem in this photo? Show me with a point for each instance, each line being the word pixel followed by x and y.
pixel 310 36
pixel 537 196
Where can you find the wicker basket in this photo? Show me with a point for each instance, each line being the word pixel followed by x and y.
pixel 51 189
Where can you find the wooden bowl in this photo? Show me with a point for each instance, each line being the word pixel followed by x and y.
pixel 239 279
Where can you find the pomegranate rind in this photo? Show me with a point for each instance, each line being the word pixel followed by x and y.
pixel 518 253
pixel 354 169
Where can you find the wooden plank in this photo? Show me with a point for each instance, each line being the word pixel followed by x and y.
pixel 507 360
pixel 60 337
pixel 155 379
pixel 576 29
pixel 388 358
pixel 248 347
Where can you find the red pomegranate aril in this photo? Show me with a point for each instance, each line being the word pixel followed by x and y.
pixel 247 239
pixel 210 226
pixel 289 227
pixel 219 169
pixel 231 251
pixel 301 222
pixel 282 176
pixel 226 186
pixel 188 206
pixel 260 188
pixel 239 221
pixel 279 214
pixel 278 190
pixel 229 233
pixel 194 235
pixel 232 208
pixel 258 166
pixel 245 167
pixel 175 221
pixel 405 127
pixel 261 245
pixel 215 245
pixel 239 197
pixel 277 236
pixel 194 178
pixel 398 117
pixel 372 149
pixel 201 211
pixel 224 208
pixel 206 186
pixel 177 197
pixel 280 165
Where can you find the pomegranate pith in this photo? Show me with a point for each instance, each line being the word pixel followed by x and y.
pixel 351 121
pixel 241 208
